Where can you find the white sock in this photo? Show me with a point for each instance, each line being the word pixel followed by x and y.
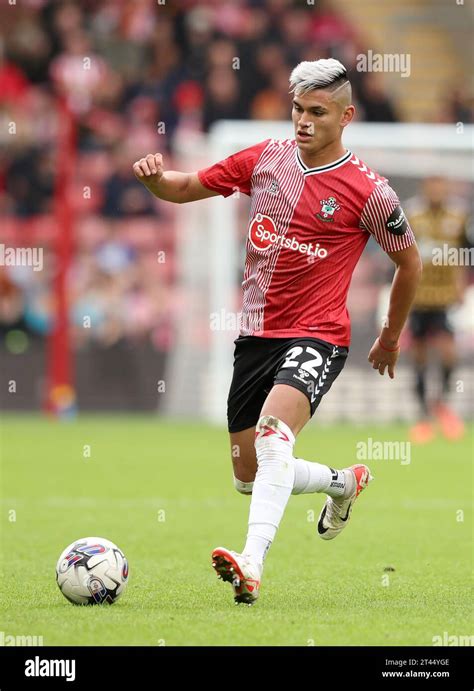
pixel 314 477
pixel 272 487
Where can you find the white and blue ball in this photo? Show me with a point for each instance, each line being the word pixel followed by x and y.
pixel 92 571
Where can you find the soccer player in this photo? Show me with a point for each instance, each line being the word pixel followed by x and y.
pixel 439 222
pixel 314 206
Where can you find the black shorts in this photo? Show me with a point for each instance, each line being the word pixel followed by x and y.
pixel 308 364
pixel 424 323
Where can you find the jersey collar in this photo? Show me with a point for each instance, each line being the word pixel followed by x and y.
pixel 322 169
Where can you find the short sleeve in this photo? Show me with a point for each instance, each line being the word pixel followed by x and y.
pixel 232 173
pixel 385 219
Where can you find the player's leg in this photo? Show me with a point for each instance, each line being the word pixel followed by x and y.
pixel 285 411
pixel 310 476
pixel 420 353
pixel 252 380
pixel 423 431
pixel 288 407
pixel 244 459
pixel 446 347
pixel 255 361
pixel 286 403
pixel 451 425
pixel 311 367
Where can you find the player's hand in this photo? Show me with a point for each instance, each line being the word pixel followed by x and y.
pixel 382 359
pixel 149 170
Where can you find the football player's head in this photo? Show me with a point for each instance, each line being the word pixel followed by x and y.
pixel 435 190
pixel 322 102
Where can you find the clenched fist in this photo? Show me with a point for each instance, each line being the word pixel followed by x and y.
pixel 149 170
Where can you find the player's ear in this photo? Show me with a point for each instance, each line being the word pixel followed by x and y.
pixel 347 115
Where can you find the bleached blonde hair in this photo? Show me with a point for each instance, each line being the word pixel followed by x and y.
pixel 327 74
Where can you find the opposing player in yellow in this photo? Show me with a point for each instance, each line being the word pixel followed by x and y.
pixel 439 222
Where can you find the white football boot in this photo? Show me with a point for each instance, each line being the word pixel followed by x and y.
pixel 336 513
pixel 240 571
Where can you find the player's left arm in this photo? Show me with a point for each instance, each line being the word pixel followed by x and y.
pixel 385 351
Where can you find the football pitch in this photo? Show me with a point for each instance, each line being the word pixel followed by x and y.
pixel 400 574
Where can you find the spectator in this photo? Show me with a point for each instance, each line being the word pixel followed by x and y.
pixel 374 101
pixel 122 197
pixel 222 100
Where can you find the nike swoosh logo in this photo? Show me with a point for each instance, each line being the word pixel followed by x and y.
pixel 321 528
pixel 348 511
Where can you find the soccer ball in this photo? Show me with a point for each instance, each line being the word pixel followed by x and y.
pixel 92 571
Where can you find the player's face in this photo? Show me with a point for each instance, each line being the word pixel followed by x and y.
pixel 318 120
pixel 436 190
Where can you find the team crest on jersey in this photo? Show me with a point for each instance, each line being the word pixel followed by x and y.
pixel 328 207
pixel 274 187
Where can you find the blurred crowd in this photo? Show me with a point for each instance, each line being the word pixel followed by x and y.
pixel 136 75
pixel 119 287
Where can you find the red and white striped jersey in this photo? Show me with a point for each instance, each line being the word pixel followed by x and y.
pixel 307 230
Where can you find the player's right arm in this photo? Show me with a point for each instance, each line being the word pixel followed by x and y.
pixel 169 185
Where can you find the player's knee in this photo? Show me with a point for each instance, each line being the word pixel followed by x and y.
pixel 243 487
pixel 274 442
pixel 271 430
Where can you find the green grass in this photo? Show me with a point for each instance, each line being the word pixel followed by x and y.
pixel 329 593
